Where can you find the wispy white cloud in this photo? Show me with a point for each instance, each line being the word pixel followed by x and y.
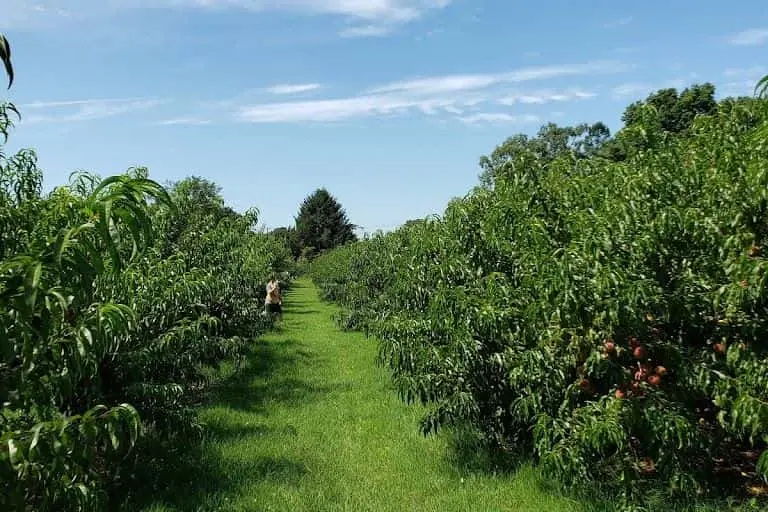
pixel 363 14
pixel 737 88
pixel 338 109
pixel 546 96
pixel 639 90
pixel 618 23
pixel 753 72
pixel 750 37
pixel 29 13
pixel 461 96
pixel 741 81
pixel 77 103
pixel 631 89
pixel 624 50
pixel 499 117
pixel 458 83
pixel 380 11
pixel 84 110
pixel 366 31
pixel 292 88
pixel 191 121
pixel 469 98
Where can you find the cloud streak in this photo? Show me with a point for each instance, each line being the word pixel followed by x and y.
pixel 468 98
pixel 366 31
pixel 642 90
pixel 749 37
pixel 618 23
pixel 185 121
pixel 461 96
pixel 499 118
pixel 457 83
pixel 754 72
pixel 85 110
pixel 292 88
pixel 339 109
pixel 547 96
pixel 367 17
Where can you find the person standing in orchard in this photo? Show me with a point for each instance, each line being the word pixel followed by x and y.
pixel 273 303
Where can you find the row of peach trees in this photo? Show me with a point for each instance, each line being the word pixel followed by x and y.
pixel 115 296
pixel 609 318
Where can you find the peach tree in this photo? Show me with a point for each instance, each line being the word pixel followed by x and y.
pixel 606 317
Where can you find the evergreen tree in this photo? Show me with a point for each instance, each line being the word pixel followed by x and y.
pixel 322 224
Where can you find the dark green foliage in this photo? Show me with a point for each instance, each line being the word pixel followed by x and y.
pixel 498 314
pixel 552 141
pixel 674 112
pixel 115 295
pixel 322 224
pixel 290 238
pixel 664 112
pixel 5 57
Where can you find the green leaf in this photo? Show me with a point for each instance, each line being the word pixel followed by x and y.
pixel 5 56
pixel 761 89
pixel 35 437
pixel 32 283
pixel 13 451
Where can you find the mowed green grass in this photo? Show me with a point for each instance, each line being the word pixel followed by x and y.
pixel 311 423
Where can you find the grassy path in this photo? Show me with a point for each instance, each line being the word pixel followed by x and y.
pixel 312 424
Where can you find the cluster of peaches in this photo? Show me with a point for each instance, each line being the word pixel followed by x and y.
pixel 645 371
pixel 641 367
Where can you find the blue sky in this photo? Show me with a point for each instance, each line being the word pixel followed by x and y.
pixel 387 103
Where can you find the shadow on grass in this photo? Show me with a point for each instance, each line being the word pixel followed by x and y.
pixel 470 455
pixel 269 377
pixel 303 311
pixel 204 479
pixel 300 304
pixel 187 475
